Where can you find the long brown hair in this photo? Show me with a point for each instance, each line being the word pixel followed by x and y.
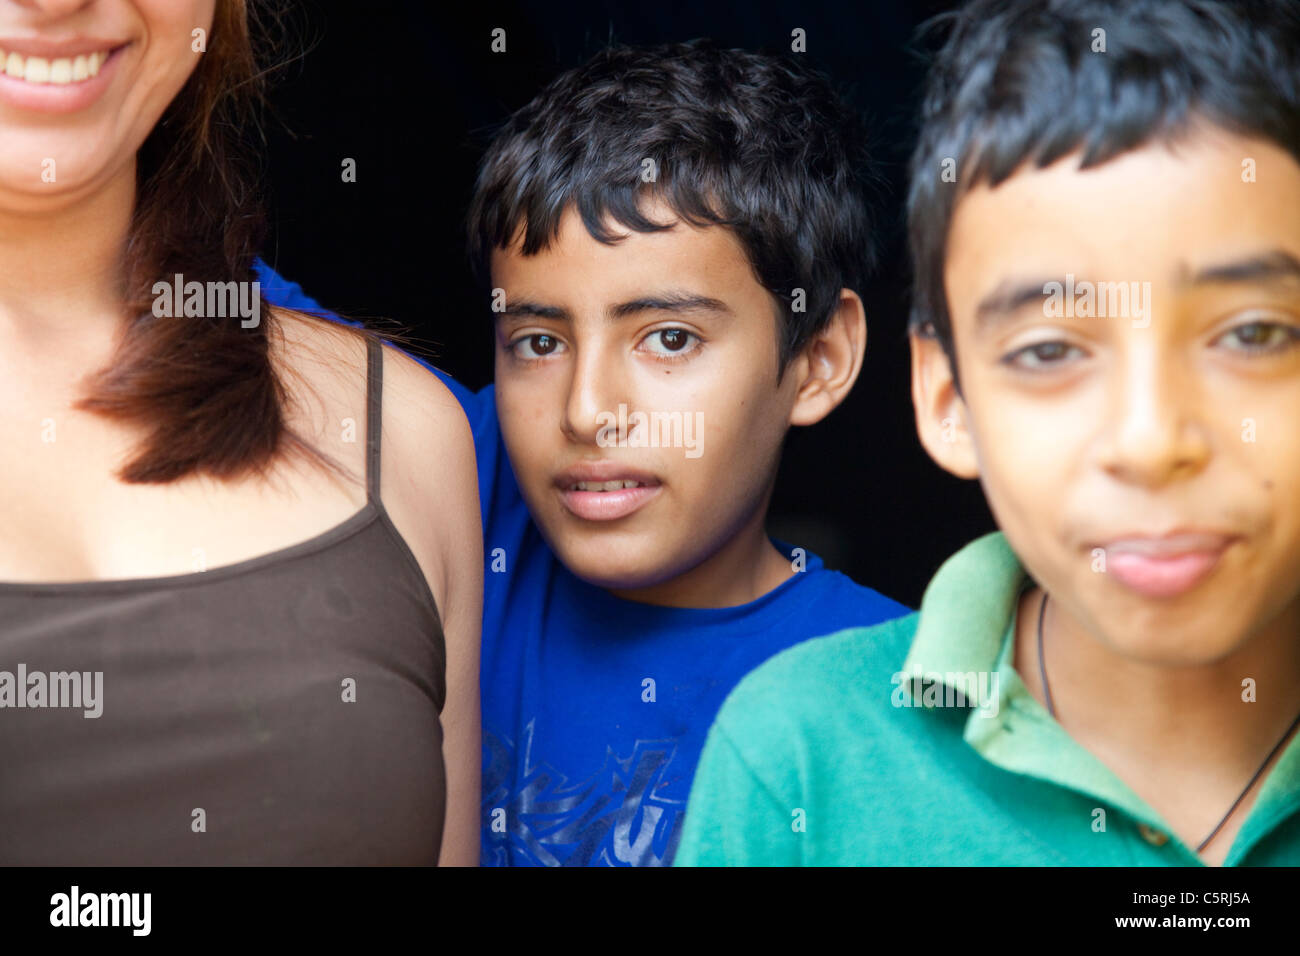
pixel 204 388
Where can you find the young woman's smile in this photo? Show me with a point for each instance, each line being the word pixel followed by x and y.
pixel 82 86
pixel 56 77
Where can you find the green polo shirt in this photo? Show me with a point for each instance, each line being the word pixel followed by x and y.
pixel 914 742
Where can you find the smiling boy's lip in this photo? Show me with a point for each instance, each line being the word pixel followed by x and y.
pixel 1165 564
pixel 1168 544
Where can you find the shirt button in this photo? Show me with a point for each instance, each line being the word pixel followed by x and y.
pixel 1152 835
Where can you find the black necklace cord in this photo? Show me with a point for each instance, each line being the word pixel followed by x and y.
pixel 1051 709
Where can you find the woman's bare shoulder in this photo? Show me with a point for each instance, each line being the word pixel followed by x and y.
pixel 329 359
pixel 429 482
pixel 314 349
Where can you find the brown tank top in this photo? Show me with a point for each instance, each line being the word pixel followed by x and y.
pixel 281 710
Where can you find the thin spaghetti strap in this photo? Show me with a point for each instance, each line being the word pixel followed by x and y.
pixel 374 414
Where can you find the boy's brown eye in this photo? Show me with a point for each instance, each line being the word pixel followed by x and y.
pixel 665 342
pixel 1261 336
pixel 673 339
pixel 1041 355
pixel 1257 333
pixel 536 346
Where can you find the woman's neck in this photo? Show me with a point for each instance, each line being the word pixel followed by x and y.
pixel 61 264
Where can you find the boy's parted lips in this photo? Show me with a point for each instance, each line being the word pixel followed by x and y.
pixel 603 476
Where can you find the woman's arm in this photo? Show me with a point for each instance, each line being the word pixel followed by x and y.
pixel 430 488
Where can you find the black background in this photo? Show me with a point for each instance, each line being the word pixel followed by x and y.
pixel 412 92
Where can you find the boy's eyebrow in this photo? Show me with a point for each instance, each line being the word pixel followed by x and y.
pixel 522 307
pixel 1272 265
pixel 664 302
pixel 1010 296
pixel 669 302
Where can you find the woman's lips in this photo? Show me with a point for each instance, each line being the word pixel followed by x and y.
pixel 1165 567
pixel 50 97
pixel 607 505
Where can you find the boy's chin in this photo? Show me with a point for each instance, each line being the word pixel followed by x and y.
pixel 1200 647
pixel 617 568
pixel 616 575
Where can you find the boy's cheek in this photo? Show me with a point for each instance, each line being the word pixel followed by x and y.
pixel 530 409
pixel 517 418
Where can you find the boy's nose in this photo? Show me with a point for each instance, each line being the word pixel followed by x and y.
pixel 591 412
pixel 1156 428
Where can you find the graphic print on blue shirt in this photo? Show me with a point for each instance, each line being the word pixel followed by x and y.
pixel 595 709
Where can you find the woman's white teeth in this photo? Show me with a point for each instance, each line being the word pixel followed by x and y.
pixel 64 70
pixel 605 485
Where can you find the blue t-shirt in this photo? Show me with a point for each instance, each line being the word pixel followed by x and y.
pixel 595 709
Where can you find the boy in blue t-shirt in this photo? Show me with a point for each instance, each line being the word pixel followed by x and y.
pixel 673 238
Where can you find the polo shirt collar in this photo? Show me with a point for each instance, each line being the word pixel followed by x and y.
pixel 965 609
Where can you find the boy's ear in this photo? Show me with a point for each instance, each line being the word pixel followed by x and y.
pixel 829 364
pixel 941 414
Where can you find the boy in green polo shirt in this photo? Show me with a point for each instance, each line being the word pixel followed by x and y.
pixel 1105 224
